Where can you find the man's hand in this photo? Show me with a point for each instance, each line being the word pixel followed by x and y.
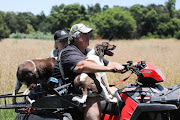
pixel 116 66
pixel 134 64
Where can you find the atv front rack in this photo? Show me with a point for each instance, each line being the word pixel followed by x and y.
pixel 60 100
pixel 6 103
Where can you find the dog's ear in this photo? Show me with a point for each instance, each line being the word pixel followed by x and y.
pixel 105 44
pixel 99 50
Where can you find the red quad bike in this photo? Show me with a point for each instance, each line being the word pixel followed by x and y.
pixel 145 99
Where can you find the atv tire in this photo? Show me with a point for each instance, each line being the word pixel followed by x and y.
pixel 21 117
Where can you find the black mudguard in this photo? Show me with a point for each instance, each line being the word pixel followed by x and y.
pixel 144 107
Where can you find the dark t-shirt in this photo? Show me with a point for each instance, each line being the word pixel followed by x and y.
pixel 70 56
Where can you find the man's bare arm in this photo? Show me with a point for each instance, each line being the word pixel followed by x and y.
pixel 90 67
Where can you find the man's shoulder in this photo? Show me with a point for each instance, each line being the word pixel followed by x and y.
pixel 70 47
pixel 71 54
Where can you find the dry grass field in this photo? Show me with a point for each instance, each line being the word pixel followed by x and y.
pixel 164 54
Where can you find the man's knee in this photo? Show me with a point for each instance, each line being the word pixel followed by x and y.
pixel 93 109
pixel 92 114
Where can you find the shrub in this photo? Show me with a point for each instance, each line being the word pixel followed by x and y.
pixel 17 35
pixel 150 36
pixel 177 35
pixel 36 35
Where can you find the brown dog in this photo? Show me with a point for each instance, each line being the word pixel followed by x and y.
pixel 31 72
pixel 85 83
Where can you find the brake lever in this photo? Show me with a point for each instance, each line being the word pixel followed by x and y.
pixel 141 65
pixel 136 71
pixel 126 67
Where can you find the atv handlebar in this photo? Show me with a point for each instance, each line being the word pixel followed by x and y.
pixel 134 68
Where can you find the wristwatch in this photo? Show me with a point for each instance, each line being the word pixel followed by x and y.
pixel 115 70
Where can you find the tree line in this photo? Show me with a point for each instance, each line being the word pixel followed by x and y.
pixel 135 22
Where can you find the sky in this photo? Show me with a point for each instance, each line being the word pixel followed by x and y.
pixel 37 6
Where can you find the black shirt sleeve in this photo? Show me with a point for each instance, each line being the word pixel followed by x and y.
pixel 70 58
pixel 106 62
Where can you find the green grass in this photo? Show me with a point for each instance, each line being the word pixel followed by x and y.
pixel 7 114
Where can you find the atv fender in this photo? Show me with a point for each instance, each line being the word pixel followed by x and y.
pixel 144 107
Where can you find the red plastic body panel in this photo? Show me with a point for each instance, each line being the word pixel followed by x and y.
pixel 111 117
pixel 129 107
pixel 153 72
pixel 126 112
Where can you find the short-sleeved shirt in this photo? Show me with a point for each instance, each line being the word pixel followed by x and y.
pixel 54 53
pixel 70 56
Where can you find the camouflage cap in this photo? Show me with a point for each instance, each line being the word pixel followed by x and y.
pixel 79 28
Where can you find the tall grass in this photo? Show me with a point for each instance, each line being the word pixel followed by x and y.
pixel 7 114
pixel 161 53
pixel 12 53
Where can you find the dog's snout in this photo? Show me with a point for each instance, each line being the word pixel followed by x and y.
pixel 112 47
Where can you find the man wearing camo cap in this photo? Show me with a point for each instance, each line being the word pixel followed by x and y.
pixel 74 63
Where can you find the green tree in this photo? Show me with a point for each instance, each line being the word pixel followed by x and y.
pixel 11 21
pixel 45 26
pixel 173 26
pixel 94 9
pixel 115 22
pixel 178 14
pixel 105 8
pixel 22 21
pixel 177 35
pixel 57 8
pixel 63 18
pixel 162 29
pixel 4 30
pixel 30 29
pixel 56 18
pixel 150 22
pixel 169 28
pixel 137 13
pixel 90 10
pixel 158 8
pixel 97 8
pixel 171 7
pixel 43 23
pixel 155 21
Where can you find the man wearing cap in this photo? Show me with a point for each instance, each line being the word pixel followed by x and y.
pixel 61 41
pixel 73 63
